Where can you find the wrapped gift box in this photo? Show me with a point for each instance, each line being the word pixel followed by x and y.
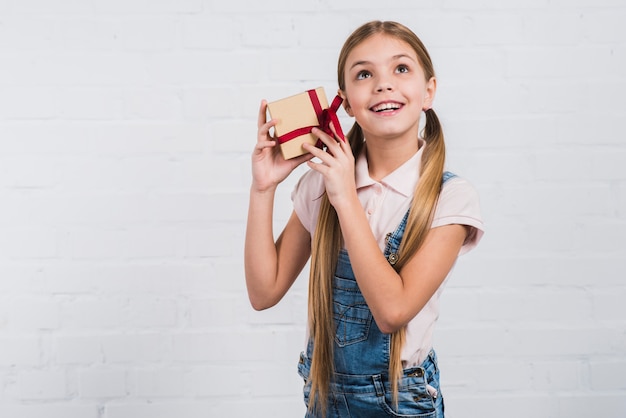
pixel 297 116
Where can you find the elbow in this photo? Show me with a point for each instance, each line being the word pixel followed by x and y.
pixel 391 322
pixel 259 304
pixel 389 328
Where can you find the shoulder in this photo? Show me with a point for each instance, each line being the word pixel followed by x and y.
pixel 457 190
pixel 459 203
pixel 306 198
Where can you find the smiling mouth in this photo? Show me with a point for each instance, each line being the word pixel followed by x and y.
pixel 386 107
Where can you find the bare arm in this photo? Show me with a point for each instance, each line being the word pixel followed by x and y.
pixel 394 298
pixel 271 267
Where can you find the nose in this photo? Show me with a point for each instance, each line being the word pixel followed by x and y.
pixel 384 85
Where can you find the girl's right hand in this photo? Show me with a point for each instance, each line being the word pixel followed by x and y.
pixel 269 168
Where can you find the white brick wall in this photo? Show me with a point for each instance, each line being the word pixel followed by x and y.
pixel 125 133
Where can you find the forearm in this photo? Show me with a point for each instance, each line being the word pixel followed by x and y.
pixel 380 284
pixel 260 254
pixel 396 297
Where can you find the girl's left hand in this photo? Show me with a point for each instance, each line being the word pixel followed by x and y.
pixel 337 167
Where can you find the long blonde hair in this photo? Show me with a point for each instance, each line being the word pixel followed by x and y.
pixel 327 240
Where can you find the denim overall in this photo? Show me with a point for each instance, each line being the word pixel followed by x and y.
pixel 360 386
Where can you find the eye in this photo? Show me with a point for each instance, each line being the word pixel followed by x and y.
pixel 363 74
pixel 402 69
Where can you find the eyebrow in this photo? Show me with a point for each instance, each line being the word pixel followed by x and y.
pixel 394 58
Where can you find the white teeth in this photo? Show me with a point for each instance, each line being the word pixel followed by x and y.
pixel 386 106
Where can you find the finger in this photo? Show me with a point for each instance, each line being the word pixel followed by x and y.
pixel 265 144
pixel 265 128
pixel 331 143
pixel 262 113
pixel 315 151
pixel 319 167
pixel 300 159
pixel 336 135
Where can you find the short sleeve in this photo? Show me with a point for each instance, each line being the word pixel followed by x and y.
pixel 459 203
pixel 306 197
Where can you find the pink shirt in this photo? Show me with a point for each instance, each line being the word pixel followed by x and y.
pixel 385 204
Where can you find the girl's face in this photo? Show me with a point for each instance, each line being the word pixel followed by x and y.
pixel 385 88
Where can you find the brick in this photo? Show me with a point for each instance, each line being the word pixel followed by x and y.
pixel 604 26
pixel 558 374
pixel 102 383
pixel 91 103
pixel 150 312
pixel 136 348
pixel 539 28
pixel 229 269
pixel 134 138
pixel 30 103
pixel 147 34
pixel 536 270
pixel 194 67
pixel 613 405
pixel 218 381
pixel 30 243
pixel 215 242
pixel 33 33
pixel 277 381
pixel 77 349
pixel 606 374
pixel 141 6
pixel 138 408
pixel 49 410
pixel 159 383
pixel 507 26
pixel 282 6
pixel 34 313
pixel 41 385
pixel 236 408
pixel 608 303
pixel 535 304
pixel 152 104
pixel 89 312
pixel 523 62
pixel 146 243
pixel 205 103
pixel 277 30
pixel 299 68
pixel 494 4
pixel 20 351
pixel 488 376
pixel 95 244
pixel 217 33
pixel 87 33
pixel 44 138
pixel 241 136
pixel 34 173
pixel 511 405
pixel 65 7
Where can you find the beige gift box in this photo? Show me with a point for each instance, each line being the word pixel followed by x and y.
pixel 296 113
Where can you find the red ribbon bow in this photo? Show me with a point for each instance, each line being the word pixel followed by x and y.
pixel 324 117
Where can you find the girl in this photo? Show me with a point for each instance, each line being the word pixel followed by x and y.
pixel 383 225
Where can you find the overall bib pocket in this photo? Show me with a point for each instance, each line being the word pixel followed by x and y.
pixel 351 314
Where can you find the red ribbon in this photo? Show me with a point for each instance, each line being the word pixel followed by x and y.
pixel 324 117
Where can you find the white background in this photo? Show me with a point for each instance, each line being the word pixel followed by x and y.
pixel 126 128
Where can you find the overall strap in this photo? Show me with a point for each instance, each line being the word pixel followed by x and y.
pixel 393 239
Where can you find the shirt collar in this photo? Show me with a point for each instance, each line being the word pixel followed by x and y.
pixel 403 179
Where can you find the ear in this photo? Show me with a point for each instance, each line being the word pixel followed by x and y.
pixel 346 104
pixel 429 97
